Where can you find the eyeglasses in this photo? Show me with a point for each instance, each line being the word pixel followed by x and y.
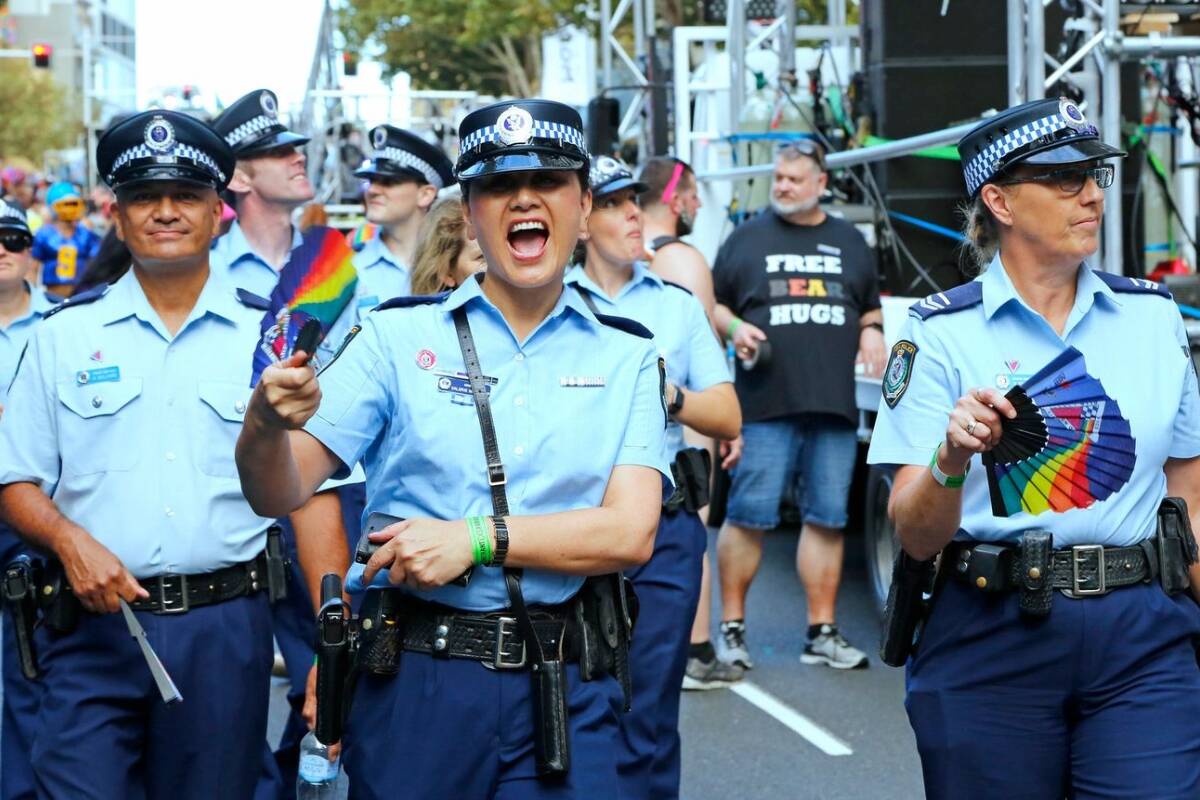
pixel 1068 181
pixel 15 242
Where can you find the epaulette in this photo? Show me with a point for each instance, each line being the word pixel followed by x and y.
pixel 53 298
pixel 625 324
pixel 81 299
pixel 414 300
pixel 678 286
pixel 252 300
pixel 957 299
pixel 1119 283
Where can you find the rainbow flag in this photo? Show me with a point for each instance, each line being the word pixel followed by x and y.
pixel 316 283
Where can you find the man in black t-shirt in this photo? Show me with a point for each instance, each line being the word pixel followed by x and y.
pixel 797 293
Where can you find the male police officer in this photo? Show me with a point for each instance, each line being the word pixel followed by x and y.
pixel 116 457
pixel 404 175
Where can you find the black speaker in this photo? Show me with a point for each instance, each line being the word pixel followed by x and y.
pixel 603 125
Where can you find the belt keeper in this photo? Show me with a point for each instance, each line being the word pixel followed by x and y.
pixel 1036 589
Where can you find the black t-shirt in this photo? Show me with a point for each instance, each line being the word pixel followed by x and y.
pixel 805 286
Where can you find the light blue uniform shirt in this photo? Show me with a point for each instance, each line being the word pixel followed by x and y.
pixel 572 401
pixel 682 333
pixel 131 431
pixel 14 337
pixel 233 259
pixel 1134 344
pixel 381 275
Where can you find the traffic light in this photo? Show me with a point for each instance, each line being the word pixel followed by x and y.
pixel 41 55
pixel 349 63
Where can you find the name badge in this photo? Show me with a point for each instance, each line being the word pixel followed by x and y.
pixel 368 302
pixel 582 381
pixel 98 375
pixel 458 386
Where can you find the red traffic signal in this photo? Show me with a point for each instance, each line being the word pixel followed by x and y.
pixel 41 55
pixel 349 63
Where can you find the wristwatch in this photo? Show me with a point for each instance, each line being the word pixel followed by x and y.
pixel 949 481
pixel 676 403
pixel 500 551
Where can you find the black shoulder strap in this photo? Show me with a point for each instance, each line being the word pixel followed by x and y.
pixel 587 298
pixel 663 241
pixel 496 477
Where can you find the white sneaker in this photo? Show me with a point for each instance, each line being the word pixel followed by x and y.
pixel 705 675
pixel 831 649
pixel 733 641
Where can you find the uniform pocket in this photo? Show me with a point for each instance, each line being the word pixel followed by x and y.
pixel 98 427
pixel 225 407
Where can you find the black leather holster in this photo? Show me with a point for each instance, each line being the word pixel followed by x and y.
pixel 908 605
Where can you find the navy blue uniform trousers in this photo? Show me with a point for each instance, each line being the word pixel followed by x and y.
pixel 1101 699
pixel 20 700
pixel 451 728
pixel 668 589
pixel 104 733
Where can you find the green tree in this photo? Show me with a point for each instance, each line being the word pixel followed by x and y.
pixel 491 46
pixel 36 116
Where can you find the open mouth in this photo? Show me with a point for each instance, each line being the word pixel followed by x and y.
pixel 527 239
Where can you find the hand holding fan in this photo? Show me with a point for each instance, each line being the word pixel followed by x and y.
pixel 315 286
pixel 1068 446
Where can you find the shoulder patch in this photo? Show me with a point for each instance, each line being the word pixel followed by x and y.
pixel 678 286
pixel 899 371
pixel 81 299
pixel 1120 283
pixel 251 300
pixel 959 298
pixel 625 324
pixel 410 301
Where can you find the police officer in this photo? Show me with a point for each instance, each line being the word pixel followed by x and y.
pixel 267 186
pixel 116 457
pixel 1060 665
pixel 700 395
pixel 404 175
pixel 22 306
pixel 577 454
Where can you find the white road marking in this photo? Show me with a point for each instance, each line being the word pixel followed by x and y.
pixel 817 736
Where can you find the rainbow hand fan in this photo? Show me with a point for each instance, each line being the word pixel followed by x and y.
pixel 315 286
pixel 1068 446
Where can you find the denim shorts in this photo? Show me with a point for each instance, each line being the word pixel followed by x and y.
pixel 815 453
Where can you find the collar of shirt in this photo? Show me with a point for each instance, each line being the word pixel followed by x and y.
pixel 126 298
pixel 236 247
pixel 641 274
pixel 473 291
pixel 998 292
pixel 39 303
pixel 375 253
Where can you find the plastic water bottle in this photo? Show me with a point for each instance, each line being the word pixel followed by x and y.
pixel 318 775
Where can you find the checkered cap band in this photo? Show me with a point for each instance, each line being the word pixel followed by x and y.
pixel 407 159
pixel 11 212
pixel 251 127
pixel 177 151
pixel 984 166
pixel 541 130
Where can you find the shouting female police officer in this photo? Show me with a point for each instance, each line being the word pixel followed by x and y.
pixel 576 453
pixel 1059 658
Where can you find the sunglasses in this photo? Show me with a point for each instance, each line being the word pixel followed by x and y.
pixel 1068 181
pixel 15 242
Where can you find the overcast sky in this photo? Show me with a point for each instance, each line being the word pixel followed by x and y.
pixel 226 48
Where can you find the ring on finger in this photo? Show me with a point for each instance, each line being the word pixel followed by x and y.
pixel 970 427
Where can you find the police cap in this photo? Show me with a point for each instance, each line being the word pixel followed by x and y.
pixel 609 175
pixel 520 136
pixel 398 153
pixel 163 146
pixel 1051 131
pixel 251 125
pixel 12 218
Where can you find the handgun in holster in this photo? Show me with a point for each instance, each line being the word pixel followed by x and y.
pixel 1176 545
pixel 605 612
pixel 692 470
pixel 334 645
pixel 908 604
pixel 20 591
pixel 60 607
pixel 278 565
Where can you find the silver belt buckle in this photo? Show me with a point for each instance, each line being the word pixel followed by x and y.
pixel 1080 553
pixel 183 606
pixel 505 627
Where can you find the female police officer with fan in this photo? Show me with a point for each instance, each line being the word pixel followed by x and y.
pixel 576 453
pixel 1039 416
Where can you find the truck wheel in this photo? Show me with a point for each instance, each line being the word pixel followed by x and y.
pixel 879 535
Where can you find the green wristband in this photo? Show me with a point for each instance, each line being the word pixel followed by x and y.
pixel 733 326
pixel 949 481
pixel 481 541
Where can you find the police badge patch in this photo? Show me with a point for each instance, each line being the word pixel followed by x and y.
pixel 899 371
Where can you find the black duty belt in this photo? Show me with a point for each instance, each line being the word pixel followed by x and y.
pixel 1086 570
pixel 492 638
pixel 176 594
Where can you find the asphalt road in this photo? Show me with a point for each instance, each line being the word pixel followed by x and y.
pixel 773 737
